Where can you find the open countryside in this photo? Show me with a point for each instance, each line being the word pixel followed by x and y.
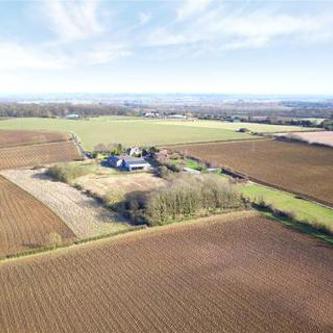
pixel 26 223
pixel 166 166
pixel 217 274
pixel 299 168
pixel 129 132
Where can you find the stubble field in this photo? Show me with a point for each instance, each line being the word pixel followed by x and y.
pixel 120 183
pixel 322 137
pixel 25 223
pixel 233 273
pixel 294 167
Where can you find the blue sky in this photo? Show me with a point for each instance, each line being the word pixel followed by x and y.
pixel 188 46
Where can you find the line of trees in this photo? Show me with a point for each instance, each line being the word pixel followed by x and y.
pixel 51 110
pixel 186 196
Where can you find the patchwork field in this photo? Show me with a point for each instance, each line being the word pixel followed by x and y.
pixel 32 155
pixel 82 214
pixel 234 273
pixel 10 138
pixel 129 131
pixel 294 167
pixel 25 223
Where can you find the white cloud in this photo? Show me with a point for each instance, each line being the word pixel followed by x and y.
pixel 15 56
pixel 73 20
pixel 191 7
pixel 238 28
pixel 105 53
pixel 144 18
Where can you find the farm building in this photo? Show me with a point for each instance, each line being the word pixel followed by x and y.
pixel 129 163
pixel 134 151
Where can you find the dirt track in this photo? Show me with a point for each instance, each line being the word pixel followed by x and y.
pixel 25 223
pixel 238 273
pixel 294 167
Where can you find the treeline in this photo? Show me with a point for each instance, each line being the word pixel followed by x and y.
pixel 51 110
pixel 185 196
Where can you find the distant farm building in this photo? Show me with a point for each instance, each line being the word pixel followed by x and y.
pixel 128 163
pixel 72 116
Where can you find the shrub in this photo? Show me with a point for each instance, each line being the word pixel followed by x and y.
pixel 113 198
pixel 185 197
pixel 162 172
pixel 67 172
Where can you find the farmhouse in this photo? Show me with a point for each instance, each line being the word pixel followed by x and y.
pixel 129 163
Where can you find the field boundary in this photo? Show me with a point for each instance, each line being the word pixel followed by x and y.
pixel 198 143
pixel 134 232
pixel 236 174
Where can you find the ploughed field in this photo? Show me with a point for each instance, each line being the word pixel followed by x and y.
pixel 11 138
pixel 82 214
pixel 294 167
pixel 25 223
pixel 233 273
pixel 32 155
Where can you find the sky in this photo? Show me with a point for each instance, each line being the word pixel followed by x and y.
pixel 186 46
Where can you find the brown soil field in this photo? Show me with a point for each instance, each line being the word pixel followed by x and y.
pixel 295 167
pixel 82 214
pixel 11 138
pixel 28 156
pixel 233 273
pixel 25 223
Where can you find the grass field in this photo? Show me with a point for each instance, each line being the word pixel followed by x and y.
pixel 303 210
pixel 298 168
pixel 131 131
pixel 231 273
pixel 259 128
pixel 25 223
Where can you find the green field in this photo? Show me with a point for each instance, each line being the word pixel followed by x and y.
pixel 303 210
pixel 259 128
pixel 131 131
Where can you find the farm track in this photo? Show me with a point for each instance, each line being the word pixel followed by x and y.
pixel 25 223
pixel 32 155
pixel 233 273
pixel 82 214
pixel 294 167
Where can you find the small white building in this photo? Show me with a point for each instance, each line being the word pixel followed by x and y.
pixel 135 151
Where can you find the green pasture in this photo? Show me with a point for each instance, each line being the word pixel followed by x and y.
pixel 303 209
pixel 128 131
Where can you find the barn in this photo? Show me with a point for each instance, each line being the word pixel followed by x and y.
pixel 128 163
